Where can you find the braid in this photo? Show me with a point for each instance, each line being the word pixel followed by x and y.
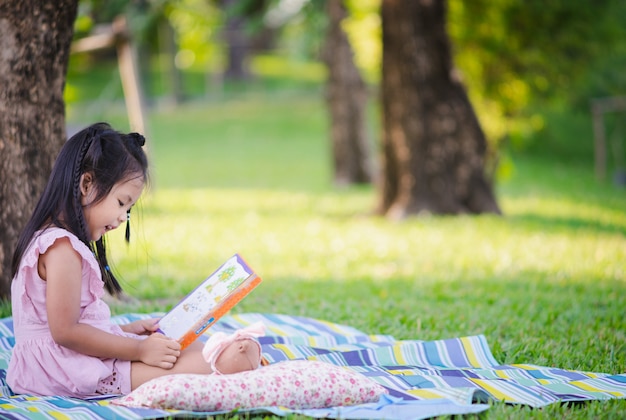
pixel 107 157
pixel 98 247
pixel 110 282
pixel 78 166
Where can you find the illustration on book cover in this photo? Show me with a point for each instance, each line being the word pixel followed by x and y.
pixel 206 296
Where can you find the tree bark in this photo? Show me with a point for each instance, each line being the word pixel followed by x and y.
pixel 433 146
pixel 346 97
pixel 34 52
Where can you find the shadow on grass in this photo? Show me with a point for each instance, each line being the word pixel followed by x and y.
pixel 551 224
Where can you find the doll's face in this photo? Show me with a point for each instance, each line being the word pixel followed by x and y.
pixel 241 355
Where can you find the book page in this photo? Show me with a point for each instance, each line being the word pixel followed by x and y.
pixel 205 298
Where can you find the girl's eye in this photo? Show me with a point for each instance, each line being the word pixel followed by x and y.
pixel 120 203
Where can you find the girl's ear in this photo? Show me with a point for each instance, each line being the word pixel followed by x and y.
pixel 86 186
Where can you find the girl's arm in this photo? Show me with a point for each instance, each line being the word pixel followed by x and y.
pixel 61 267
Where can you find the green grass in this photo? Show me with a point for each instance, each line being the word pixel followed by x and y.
pixel 546 283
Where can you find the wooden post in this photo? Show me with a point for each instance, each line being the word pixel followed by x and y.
pixel 599 107
pixel 127 63
pixel 599 142
pixel 116 35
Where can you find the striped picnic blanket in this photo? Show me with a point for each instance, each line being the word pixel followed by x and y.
pixel 424 378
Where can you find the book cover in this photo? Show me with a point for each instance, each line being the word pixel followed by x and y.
pixel 208 302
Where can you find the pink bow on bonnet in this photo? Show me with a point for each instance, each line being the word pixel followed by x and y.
pixel 241 350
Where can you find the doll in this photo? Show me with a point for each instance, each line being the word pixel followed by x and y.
pixel 237 352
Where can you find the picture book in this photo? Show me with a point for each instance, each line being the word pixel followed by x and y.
pixel 208 302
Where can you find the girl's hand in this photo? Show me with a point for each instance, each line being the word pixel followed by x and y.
pixel 159 350
pixel 142 326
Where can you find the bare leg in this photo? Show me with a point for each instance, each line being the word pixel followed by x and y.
pixel 190 361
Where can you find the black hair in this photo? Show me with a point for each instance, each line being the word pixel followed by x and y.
pixel 110 157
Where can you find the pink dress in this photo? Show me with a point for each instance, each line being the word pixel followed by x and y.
pixel 40 366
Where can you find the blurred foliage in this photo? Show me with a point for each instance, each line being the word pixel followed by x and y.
pixel 518 54
pixel 517 57
pixel 520 60
pixel 363 26
pixel 196 24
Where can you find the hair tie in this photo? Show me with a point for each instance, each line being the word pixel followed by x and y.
pixel 127 235
pixel 139 139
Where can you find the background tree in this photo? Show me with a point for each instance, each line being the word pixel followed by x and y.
pixel 433 145
pixel 239 34
pixel 346 98
pixel 238 43
pixel 35 43
pixel 346 92
pixel 525 60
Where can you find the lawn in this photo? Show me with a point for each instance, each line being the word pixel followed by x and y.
pixel 545 283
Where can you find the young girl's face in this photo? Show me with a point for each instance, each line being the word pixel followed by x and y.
pixel 111 211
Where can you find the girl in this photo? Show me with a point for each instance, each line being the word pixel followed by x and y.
pixel 66 343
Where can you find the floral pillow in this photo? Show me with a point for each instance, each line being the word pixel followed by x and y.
pixel 298 384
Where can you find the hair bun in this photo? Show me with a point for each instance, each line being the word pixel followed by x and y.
pixel 139 139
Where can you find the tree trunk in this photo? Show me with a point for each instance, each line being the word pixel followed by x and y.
pixel 174 75
pixel 433 146
pixel 237 43
pixel 346 97
pixel 35 44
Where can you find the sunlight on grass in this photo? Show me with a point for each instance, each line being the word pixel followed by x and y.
pixel 526 281
pixel 330 237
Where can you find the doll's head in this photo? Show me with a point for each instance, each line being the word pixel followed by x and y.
pixel 234 353
pixel 238 356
